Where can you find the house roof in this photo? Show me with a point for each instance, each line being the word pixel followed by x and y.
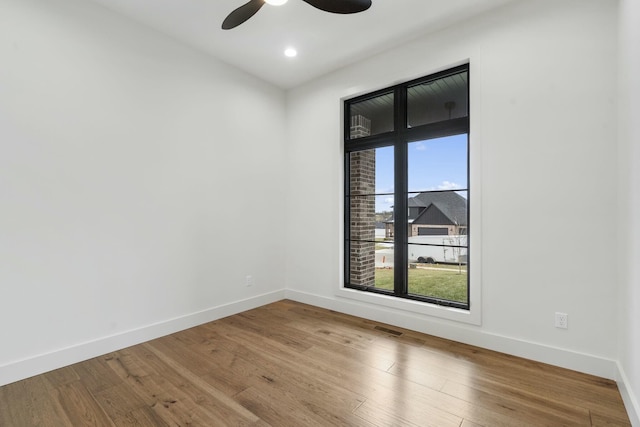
pixel 451 204
pixel 414 202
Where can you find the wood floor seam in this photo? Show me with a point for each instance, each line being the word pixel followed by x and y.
pixel 291 364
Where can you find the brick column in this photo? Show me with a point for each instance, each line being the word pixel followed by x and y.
pixel 363 208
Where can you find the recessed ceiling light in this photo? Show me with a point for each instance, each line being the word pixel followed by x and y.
pixel 290 52
pixel 275 2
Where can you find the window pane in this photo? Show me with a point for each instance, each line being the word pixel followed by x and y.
pixel 437 213
pixel 437 218
pixel 437 245
pixel 438 100
pixel 384 218
pixel 438 249
pixel 363 218
pixel 372 116
pixel 384 172
pixel 384 249
pixel 370 202
pixel 371 172
pixel 362 260
pixel 438 164
pixel 371 242
pixel 385 275
pixel 441 281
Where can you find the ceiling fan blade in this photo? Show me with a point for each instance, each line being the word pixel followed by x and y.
pixel 241 14
pixel 340 6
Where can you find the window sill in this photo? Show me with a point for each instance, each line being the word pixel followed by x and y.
pixel 471 316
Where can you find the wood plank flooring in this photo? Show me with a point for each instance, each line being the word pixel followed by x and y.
pixel 290 364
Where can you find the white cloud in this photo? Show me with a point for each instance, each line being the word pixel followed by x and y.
pixel 448 185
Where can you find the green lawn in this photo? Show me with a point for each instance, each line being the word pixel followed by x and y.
pixel 443 281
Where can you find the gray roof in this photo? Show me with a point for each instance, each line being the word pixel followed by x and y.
pixel 414 202
pixel 451 204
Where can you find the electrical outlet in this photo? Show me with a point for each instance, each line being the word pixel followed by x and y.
pixel 562 320
pixel 248 281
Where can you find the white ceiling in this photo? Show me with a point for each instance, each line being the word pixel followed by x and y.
pixel 325 41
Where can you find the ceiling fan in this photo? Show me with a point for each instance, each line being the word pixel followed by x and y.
pixel 250 8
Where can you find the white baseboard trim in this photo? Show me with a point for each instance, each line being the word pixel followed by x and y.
pixel 468 334
pixel 593 365
pixel 39 364
pixel 631 403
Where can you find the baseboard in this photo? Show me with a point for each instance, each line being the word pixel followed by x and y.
pixel 468 334
pixel 39 364
pixel 631 403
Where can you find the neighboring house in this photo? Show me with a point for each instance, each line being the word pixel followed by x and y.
pixel 438 213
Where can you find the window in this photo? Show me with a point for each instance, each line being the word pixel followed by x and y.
pixel 407 228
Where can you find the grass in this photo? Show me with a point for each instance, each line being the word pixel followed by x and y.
pixel 437 281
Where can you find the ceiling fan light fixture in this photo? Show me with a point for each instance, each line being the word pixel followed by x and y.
pixel 250 8
pixel 290 52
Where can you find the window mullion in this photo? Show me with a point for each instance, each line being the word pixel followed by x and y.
pixel 400 219
pixel 347 216
pixel 400 197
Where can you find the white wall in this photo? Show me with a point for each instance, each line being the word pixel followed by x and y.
pixel 543 115
pixel 139 182
pixel 629 203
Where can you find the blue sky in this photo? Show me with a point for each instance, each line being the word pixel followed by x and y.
pixel 434 164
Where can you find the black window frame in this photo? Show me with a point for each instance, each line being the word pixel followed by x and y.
pixel 399 139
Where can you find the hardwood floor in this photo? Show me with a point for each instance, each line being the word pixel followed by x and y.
pixel 290 364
